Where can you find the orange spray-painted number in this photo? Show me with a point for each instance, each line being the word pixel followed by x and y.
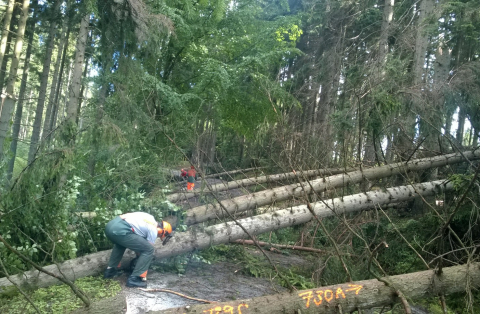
pixel 306 296
pixel 319 295
pixel 226 309
pixel 240 307
pixel 327 295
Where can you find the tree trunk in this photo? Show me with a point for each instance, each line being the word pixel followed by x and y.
pixel 242 203
pixel 350 297
pixel 229 173
pixel 421 41
pixel 258 180
pixel 385 31
pixel 26 118
pixel 22 93
pixel 56 76
pixel 184 242
pixel 6 28
pixel 92 160
pixel 461 126
pixel 76 83
pixel 37 124
pixel 10 38
pixel 58 92
pixel 12 76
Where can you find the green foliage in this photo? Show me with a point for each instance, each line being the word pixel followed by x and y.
pixel 298 281
pixel 222 252
pixel 460 181
pixel 60 299
pixel 289 33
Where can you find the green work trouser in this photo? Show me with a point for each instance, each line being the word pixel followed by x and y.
pixel 122 235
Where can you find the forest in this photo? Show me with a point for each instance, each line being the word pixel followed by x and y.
pixel 346 129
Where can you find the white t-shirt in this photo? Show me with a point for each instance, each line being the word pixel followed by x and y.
pixel 143 224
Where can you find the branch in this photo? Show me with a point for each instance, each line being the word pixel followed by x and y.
pixel 387 282
pixel 18 287
pixel 177 293
pixel 74 288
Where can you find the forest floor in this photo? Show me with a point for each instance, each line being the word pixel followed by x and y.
pixel 220 281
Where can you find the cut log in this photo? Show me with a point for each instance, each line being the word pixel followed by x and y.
pixel 229 173
pixel 184 242
pixel 349 297
pixel 242 203
pixel 257 180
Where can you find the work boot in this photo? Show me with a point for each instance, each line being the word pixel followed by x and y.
pixel 136 282
pixel 110 273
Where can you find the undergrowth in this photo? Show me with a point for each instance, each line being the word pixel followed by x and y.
pixel 256 266
pixel 59 299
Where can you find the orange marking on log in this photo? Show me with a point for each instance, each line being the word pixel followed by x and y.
pixel 306 296
pixel 339 292
pixel 328 298
pixel 240 306
pixel 355 288
pixel 319 295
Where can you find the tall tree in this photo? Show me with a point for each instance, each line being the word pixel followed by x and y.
pixel 56 78
pixel 12 76
pixel 6 29
pixel 10 37
pixel 54 17
pixel 76 81
pixel 23 89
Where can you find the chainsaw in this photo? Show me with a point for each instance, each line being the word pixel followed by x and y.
pixel 167 238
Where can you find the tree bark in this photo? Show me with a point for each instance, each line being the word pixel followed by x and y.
pixel 385 31
pixel 184 242
pixel 9 103
pixel 258 180
pixel 242 203
pixel 229 173
pixel 37 124
pixel 22 93
pixel 56 100
pixel 76 83
pixel 350 297
pixel 10 38
pixel 421 41
pixel 6 28
pixel 56 77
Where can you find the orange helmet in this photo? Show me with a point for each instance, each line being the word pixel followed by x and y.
pixel 164 229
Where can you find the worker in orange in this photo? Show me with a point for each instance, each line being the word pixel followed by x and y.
pixel 136 231
pixel 192 176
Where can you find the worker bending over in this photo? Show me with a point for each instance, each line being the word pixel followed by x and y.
pixel 137 232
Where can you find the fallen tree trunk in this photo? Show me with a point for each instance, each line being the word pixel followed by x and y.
pixel 229 173
pixel 184 242
pixel 257 180
pixel 349 297
pixel 242 203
